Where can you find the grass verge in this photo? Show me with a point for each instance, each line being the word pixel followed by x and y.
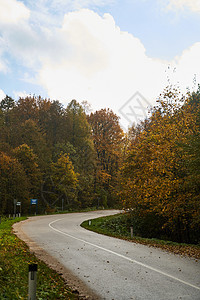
pixel 113 226
pixel 14 260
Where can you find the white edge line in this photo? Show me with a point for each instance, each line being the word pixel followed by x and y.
pixel 122 256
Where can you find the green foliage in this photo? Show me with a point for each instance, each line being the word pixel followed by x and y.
pixel 14 260
pixel 31 134
pixel 28 159
pixel 83 154
pixel 7 103
pixel 65 179
pixel 78 129
pixel 119 226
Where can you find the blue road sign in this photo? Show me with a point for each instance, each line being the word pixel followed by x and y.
pixel 34 201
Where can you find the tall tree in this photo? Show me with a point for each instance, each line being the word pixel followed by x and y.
pixel 27 108
pixel 13 184
pixel 6 119
pixel 55 123
pixel 108 142
pixel 28 159
pixel 60 187
pixel 30 133
pixel 79 135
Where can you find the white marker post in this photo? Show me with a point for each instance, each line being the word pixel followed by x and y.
pixel 131 228
pixel 15 203
pixel 19 204
pixel 32 281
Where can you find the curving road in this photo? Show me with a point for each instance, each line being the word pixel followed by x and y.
pixel 113 268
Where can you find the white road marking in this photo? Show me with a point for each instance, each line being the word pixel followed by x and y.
pixel 122 256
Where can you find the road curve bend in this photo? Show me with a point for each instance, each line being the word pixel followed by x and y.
pixel 111 268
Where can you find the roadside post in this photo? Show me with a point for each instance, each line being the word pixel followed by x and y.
pixel 32 281
pixel 62 204
pixel 34 202
pixel 20 212
pixel 131 228
pixel 15 203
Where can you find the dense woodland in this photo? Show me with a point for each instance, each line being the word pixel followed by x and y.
pixel 68 158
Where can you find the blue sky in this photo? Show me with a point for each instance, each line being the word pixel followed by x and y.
pixel 102 51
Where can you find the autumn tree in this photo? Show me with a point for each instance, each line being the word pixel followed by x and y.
pixel 6 119
pixel 61 184
pixel 54 124
pixel 28 159
pixel 108 142
pixel 31 134
pixel 27 108
pixel 191 147
pixel 193 141
pixel 79 136
pixel 13 184
pixel 155 176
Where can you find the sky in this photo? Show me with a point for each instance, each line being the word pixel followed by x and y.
pixel 112 53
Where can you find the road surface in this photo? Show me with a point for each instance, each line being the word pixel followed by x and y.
pixel 113 268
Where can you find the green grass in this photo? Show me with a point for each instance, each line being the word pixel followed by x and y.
pixel 116 226
pixel 14 260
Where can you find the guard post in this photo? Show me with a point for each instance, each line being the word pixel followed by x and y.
pixel 32 281
pixel 15 203
pixel 131 228
pixel 20 208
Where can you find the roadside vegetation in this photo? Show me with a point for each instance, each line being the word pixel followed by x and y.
pixel 14 260
pixel 119 226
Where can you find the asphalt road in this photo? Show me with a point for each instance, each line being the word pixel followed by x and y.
pixel 113 268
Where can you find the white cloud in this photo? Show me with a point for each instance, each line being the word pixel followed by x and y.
pixel 2 94
pixel 51 12
pixel 14 16
pixel 13 11
pixel 90 58
pixel 102 64
pixel 3 66
pixel 188 67
pixel 193 5
pixel 106 66
pixel 20 94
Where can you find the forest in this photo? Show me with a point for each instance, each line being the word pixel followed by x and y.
pixel 70 159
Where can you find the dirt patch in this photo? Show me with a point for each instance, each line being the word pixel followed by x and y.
pixel 75 284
